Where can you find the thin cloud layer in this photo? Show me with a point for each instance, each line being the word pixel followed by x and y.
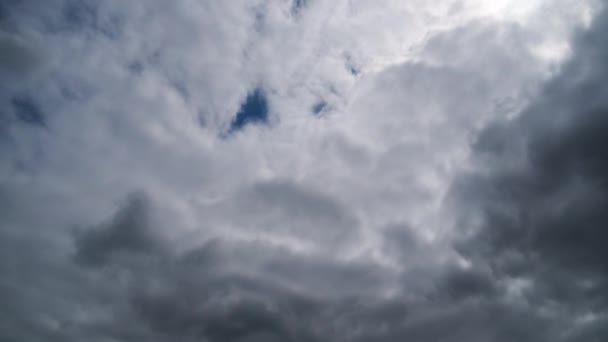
pixel 303 171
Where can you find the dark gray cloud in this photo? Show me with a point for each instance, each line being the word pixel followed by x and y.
pixel 462 283
pixel 247 291
pixel 128 232
pixel 27 111
pixel 542 192
pixel 225 290
pixel 17 57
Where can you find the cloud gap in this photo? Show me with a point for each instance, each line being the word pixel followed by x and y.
pixel 253 111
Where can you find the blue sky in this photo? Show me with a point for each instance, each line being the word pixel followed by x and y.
pixel 253 110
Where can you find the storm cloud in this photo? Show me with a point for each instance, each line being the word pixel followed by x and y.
pixel 540 199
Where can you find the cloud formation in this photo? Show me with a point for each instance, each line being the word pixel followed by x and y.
pixel 541 194
pixel 278 170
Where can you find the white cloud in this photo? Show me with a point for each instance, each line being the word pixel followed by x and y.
pixel 427 76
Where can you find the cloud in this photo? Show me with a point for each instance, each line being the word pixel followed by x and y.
pixel 17 57
pixel 348 202
pixel 128 232
pixel 541 191
pixel 26 111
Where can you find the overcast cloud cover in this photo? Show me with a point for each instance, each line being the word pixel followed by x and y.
pixel 304 170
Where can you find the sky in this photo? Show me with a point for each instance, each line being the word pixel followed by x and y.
pixel 304 170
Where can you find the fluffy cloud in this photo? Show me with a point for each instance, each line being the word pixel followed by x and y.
pixel 277 170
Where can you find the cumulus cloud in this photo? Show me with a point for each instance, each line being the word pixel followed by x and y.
pixel 278 170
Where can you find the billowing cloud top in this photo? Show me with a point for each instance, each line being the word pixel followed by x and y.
pixel 304 170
